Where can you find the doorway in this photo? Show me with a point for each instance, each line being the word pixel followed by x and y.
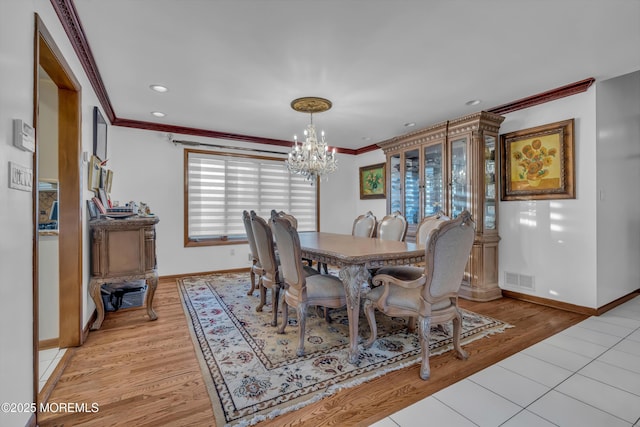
pixel 68 207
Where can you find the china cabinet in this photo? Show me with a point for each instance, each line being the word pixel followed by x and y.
pixel 449 167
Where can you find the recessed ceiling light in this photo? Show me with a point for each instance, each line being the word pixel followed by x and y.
pixel 473 102
pixel 159 88
pixel 158 114
pixel 366 138
pixel 409 125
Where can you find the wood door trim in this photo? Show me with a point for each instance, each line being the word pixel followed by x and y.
pixel 50 58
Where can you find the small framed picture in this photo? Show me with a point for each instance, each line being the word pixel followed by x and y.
pixel 101 209
pixel 104 198
pixel 92 209
pixel 373 180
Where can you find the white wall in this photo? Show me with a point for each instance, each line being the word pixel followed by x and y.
pixel 17 23
pixel 16 310
pixel 148 168
pixel 555 240
pixel 618 169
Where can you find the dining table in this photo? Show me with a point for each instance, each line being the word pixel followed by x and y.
pixel 355 256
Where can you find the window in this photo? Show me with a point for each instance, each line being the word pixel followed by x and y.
pixel 219 186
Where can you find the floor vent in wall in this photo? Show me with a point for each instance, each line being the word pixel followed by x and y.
pixel 519 280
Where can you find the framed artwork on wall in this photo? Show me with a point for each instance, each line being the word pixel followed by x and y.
pixel 538 163
pixel 99 135
pixel 373 181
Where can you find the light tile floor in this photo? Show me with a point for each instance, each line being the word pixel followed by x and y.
pixel 48 360
pixel 587 375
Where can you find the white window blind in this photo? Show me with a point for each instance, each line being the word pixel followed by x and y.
pixel 221 185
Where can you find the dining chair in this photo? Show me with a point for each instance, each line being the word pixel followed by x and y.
pixel 270 278
pixel 294 222
pixel 300 291
pixel 433 297
pixel 256 268
pixel 271 275
pixel 392 227
pixel 282 214
pixel 364 225
pixel 406 273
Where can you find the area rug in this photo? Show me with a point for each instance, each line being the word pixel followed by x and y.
pixel 253 373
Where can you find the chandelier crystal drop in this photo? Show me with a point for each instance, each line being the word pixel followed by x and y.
pixel 311 158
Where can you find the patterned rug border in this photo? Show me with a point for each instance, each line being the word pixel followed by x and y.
pixel 303 400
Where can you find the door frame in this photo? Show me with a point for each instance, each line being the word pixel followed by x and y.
pixel 49 57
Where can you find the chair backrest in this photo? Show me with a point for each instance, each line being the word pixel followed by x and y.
pixel 427 224
pixel 392 227
pixel 448 248
pixel 264 244
pixel 246 220
pixel 292 219
pixel 288 243
pixel 364 225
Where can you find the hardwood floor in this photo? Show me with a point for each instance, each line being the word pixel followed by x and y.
pixel 145 373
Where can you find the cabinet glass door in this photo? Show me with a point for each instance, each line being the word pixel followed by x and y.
pixel 395 195
pixel 433 180
pixel 489 182
pixel 459 177
pixel 412 186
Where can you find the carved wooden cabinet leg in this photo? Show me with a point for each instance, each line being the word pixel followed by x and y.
pixel 151 291
pixel 94 291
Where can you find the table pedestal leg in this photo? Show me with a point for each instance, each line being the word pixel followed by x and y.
pixel 353 277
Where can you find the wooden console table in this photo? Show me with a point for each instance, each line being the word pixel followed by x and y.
pixel 123 250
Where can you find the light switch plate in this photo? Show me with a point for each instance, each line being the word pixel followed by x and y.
pixel 20 177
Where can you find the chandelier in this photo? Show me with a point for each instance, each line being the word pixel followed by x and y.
pixel 311 158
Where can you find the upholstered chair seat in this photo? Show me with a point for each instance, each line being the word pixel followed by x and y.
pixel 433 296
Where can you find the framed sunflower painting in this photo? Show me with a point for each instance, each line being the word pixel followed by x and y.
pixel 538 163
pixel 373 180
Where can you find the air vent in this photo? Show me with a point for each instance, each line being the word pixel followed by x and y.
pixel 519 280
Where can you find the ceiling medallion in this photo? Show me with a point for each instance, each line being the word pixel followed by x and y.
pixel 311 158
pixel 311 104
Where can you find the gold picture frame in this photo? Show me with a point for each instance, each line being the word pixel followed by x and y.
pixel 538 163
pixel 373 181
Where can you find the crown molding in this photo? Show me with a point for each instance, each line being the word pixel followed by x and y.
pixel 541 98
pixel 68 16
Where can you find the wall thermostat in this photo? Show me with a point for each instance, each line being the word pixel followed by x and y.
pixel 24 136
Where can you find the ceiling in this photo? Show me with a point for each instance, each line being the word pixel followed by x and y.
pixel 234 66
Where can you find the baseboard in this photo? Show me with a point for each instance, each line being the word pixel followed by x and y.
pixel 87 326
pixel 204 273
pixel 44 394
pixel 47 344
pixel 570 307
pixel 619 301
pixel 550 303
